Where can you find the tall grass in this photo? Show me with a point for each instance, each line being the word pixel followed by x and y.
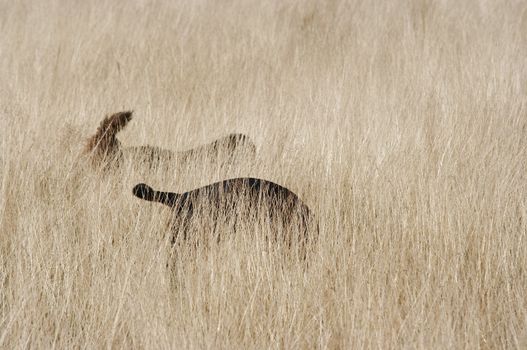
pixel 402 124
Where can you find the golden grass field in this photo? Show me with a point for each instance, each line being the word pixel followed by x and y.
pixel 402 124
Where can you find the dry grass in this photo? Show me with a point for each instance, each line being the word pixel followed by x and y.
pixel 402 124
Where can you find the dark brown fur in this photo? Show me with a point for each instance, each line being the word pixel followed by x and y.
pixel 277 204
pixel 105 150
pixel 104 147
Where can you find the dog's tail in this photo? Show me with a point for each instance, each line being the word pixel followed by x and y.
pixel 146 192
pixel 104 144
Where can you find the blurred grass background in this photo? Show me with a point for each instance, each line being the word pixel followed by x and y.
pixel 402 124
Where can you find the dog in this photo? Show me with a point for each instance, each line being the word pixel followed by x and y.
pixel 243 198
pixel 105 151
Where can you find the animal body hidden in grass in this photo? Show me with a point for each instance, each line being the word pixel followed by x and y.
pixel 105 151
pixel 288 220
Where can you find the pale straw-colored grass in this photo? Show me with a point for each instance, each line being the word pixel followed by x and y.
pixel 402 124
